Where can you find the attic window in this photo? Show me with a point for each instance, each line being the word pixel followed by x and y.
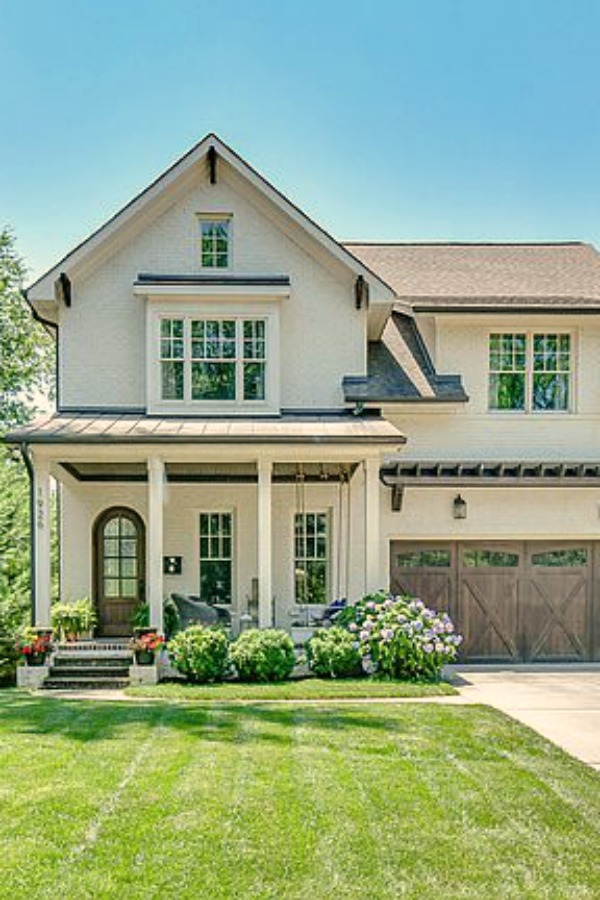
pixel 215 234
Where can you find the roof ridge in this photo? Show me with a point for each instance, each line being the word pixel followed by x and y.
pixel 465 243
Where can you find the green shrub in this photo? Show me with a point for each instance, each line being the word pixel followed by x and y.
pixel 13 615
pixel 333 653
pixel 71 620
pixel 201 654
pixel 263 655
pixel 171 617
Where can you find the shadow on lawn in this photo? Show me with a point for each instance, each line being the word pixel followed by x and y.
pixel 86 721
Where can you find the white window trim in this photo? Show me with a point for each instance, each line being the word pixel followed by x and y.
pixel 214 217
pixel 529 333
pixel 331 561
pixel 156 311
pixel 221 510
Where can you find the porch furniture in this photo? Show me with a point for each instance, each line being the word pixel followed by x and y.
pixel 326 618
pixel 195 611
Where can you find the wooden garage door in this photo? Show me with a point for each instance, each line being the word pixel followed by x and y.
pixel 511 601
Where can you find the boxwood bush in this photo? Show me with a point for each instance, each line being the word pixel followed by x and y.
pixel 199 653
pixel 333 653
pixel 263 655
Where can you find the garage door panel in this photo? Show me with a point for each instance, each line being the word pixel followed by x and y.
pixel 557 616
pixel 427 572
pixel 487 615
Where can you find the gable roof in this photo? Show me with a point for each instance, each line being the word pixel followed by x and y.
pixel 461 275
pixel 196 155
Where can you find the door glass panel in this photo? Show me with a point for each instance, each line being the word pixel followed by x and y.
pixel 479 559
pixel 120 563
pixel 561 558
pixel 420 559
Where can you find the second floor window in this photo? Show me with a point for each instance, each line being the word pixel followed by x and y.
pixel 216 242
pixel 210 359
pixel 530 372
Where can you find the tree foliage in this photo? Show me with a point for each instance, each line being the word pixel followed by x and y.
pixel 26 366
pixel 26 349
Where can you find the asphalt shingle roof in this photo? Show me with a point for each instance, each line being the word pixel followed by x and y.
pixel 455 274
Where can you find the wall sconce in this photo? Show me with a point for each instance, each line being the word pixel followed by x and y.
pixel 459 507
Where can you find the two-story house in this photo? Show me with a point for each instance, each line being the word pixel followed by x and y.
pixel 254 413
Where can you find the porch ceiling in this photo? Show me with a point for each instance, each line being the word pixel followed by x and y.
pixel 210 473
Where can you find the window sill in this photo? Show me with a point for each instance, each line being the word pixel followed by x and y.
pixel 178 408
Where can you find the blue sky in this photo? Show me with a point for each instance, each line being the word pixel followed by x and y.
pixel 406 120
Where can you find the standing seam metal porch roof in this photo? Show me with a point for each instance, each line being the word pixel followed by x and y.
pixel 85 428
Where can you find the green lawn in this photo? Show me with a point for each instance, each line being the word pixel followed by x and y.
pixel 301 689
pixel 199 801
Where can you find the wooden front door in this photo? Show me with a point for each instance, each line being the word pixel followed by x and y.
pixel 119 554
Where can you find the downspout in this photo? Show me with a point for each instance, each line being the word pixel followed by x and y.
pixel 26 455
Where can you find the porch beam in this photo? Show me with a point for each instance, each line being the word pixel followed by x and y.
pixel 373 575
pixel 265 553
pixel 42 543
pixel 154 563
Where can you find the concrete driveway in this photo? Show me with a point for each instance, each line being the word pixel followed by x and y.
pixel 561 703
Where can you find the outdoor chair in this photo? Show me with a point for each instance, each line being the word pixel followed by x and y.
pixel 195 611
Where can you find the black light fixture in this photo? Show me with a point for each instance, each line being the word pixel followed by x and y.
pixel 459 507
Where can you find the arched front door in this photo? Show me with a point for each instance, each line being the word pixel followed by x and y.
pixel 119 556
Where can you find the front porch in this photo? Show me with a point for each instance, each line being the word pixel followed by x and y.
pixel 267 529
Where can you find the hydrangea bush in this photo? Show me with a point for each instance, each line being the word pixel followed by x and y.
pixel 400 637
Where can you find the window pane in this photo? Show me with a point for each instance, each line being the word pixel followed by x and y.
pixel 128 587
pixel 111 567
pixel 507 391
pixel 127 527
pixel 129 567
pixel 111 546
pixel 215 243
pixel 490 558
pixel 417 559
pixel 172 380
pixel 213 381
pixel 561 558
pixel 254 381
pixel 215 581
pixel 111 529
pixel 111 587
pixel 550 391
pixel 128 547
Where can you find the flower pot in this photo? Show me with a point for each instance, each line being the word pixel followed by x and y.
pixel 35 659
pixel 144 657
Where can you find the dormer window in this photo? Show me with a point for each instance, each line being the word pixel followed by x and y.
pixel 215 234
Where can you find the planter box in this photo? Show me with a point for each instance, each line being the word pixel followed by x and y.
pixel 32 677
pixel 143 674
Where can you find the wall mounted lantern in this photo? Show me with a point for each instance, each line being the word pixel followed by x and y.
pixel 459 507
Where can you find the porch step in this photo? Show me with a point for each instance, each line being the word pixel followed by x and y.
pixel 77 683
pixel 98 660
pixel 90 665
pixel 87 671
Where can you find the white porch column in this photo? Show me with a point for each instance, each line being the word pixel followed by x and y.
pixel 154 564
pixel 373 575
pixel 43 524
pixel 265 553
